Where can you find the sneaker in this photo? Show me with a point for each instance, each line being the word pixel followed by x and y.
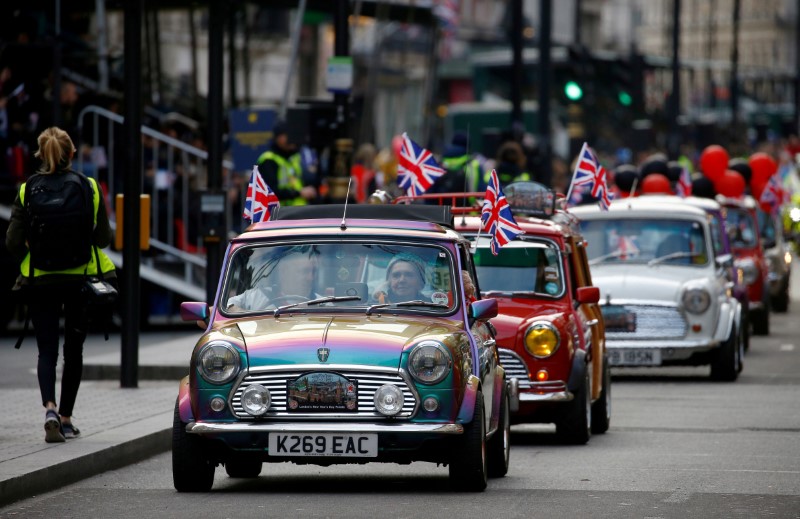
pixel 70 431
pixel 52 427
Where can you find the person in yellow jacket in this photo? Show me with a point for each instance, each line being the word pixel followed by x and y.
pixel 281 169
pixel 510 167
pixel 53 279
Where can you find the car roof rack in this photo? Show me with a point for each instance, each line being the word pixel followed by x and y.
pixel 438 214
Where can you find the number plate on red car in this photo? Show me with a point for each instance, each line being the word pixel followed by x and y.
pixel 324 444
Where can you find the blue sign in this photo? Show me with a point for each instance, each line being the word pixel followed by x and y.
pixel 250 135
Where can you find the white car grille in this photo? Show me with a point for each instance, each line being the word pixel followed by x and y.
pixel 515 367
pixel 652 322
pixel 367 382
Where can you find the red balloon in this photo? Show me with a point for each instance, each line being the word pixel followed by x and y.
pixel 731 184
pixel 714 161
pixel 763 167
pixel 656 183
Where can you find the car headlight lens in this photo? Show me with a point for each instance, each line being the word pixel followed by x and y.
pixel 218 362
pixel 542 339
pixel 748 269
pixel 388 400
pixel 256 399
pixel 429 362
pixel 696 300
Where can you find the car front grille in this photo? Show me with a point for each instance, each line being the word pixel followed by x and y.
pixel 652 322
pixel 367 383
pixel 515 367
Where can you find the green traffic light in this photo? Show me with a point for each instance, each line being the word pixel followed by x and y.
pixel 573 91
pixel 625 98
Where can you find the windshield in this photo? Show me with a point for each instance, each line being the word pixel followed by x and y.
pixel 767 225
pixel 334 276
pixel 650 241
pixel 741 227
pixel 520 267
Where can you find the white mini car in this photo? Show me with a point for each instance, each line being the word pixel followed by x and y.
pixel 665 297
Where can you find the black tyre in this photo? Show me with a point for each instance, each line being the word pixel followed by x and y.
pixel 726 359
pixel 745 326
pixel 191 471
pixel 243 468
pixel 601 409
pixel 780 303
pixel 468 466
pixel 760 321
pixel 574 425
pixel 499 445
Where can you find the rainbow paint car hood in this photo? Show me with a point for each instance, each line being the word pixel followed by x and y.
pixel 328 340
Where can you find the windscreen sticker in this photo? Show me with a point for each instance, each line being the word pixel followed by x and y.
pixel 440 298
pixel 551 273
pixel 551 288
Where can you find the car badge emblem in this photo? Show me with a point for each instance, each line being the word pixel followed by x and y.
pixel 322 354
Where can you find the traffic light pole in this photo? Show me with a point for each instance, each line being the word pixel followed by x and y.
pixel 517 121
pixel 543 119
pixel 674 139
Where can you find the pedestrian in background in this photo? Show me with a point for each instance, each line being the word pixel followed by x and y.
pixel 57 224
pixel 280 168
pixel 510 167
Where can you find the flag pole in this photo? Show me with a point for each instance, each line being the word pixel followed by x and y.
pixel 574 171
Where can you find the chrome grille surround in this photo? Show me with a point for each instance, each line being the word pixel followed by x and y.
pixel 515 367
pixel 368 379
pixel 654 321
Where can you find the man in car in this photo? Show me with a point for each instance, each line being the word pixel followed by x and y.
pixel 291 281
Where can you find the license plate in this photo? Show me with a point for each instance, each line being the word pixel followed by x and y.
pixel 324 444
pixel 634 357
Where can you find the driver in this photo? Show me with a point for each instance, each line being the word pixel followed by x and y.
pixel 405 278
pixel 293 281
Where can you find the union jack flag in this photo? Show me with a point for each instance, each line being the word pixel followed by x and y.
pixel 260 200
pixel 417 170
pixel 589 172
pixel 773 193
pixel 496 216
pixel 684 185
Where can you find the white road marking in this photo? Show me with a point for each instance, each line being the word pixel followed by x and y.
pixel 787 347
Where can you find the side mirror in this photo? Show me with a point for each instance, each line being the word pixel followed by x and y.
pixel 483 309
pixel 588 295
pixel 194 311
pixel 724 261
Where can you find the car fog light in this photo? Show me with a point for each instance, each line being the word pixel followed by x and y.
pixel 256 399
pixel 696 328
pixel 542 375
pixel 430 404
pixel 388 400
pixel 217 404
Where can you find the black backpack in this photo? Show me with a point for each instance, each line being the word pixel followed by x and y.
pixel 60 221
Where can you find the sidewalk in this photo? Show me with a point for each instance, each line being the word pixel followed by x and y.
pixel 119 426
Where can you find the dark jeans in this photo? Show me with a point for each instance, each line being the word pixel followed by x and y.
pixel 45 304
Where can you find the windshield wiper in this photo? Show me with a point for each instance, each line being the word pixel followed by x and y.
pixel 416 302
pixel 611 255
pixel 673 255
pixel 318 301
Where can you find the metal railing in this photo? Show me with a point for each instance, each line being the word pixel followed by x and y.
pixel 174 173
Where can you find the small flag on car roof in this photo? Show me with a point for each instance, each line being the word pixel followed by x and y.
pixel 260 200
pixel 417 169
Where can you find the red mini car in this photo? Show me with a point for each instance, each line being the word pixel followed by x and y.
pixel 550 330
pixel 741 221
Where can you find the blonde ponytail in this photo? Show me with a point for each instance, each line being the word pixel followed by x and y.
pixel 55 149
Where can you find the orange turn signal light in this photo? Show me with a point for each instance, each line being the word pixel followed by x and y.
pixel 542 375
pixel 697 328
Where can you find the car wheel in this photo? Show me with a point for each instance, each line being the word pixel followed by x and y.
pixel 243 468
pixel 468 466
pixel 601 409
pixel 499 445
pixel 742 338
pixel 574 425
pixel 191 471
pixel 725 360
pixel 780 303
pixel 745 326
pixel 761 321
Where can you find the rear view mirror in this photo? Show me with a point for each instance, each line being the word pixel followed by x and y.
pixel 195 311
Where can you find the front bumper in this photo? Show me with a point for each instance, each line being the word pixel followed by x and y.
pixel 211 428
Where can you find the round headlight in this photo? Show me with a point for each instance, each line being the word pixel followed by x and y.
pixel 388 400
pixel 748 269
pixel 696 300
pixel 218 362
pixel 256 399
pixel 542 339
pixel 429 362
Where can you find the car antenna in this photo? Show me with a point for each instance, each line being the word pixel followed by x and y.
pixel 343 225
pixel 633 191
pixel 464 214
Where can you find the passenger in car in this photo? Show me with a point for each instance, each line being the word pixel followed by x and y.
pixel 405 279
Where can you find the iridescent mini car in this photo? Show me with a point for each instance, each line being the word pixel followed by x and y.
pixel 338 339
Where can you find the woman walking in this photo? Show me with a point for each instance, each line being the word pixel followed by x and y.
pixel 58 223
